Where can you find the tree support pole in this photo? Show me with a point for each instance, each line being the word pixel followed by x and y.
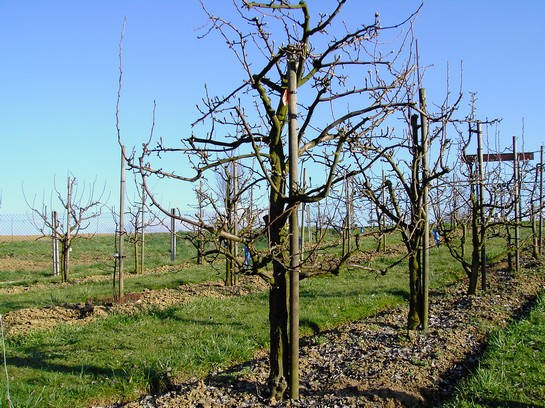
pixel 425 209
pixel 303 208
pixel 481 204
pixel 540 231
pixel 66 242
pixel 381 218
pixel 121 253
pixel 142 232
pixel 234 213
pixel 55 236
pixel 294 225
pixel 229 200
pixel 517 200
pixel 172 235
pixel 348 217
pixel 200 241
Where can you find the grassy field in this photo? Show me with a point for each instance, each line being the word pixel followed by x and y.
pixel 25 263
pixel 28 260
pixel 120 357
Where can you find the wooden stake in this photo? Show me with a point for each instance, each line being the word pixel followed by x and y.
pixel 66 243
pixel 142 232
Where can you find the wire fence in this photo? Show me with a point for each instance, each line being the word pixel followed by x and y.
pixel 27 247
pixel 15 226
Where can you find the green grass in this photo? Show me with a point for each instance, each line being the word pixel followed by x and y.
pixel 120 357
pixel 511 372
pixel 27 260
pixel 97 291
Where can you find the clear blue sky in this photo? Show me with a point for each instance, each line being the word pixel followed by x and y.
pixel 59 73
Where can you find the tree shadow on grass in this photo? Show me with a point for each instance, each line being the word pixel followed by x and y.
pixel 42 364
pixel 357 292
pixel 157 380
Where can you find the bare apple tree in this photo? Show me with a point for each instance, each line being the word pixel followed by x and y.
pixel 81 204
pixel 140 217
pixel 311 88
pixel 412 159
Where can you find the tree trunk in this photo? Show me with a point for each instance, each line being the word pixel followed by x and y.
pixel 475 246
pixel 136 255
pixel 474 274
pixel 279 376
pixel 65 260
pixel 413 319
pixel 278 323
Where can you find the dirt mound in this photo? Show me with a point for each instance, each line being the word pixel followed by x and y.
pixel 22 321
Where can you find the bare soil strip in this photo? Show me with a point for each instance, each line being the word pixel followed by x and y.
pixel 21 321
